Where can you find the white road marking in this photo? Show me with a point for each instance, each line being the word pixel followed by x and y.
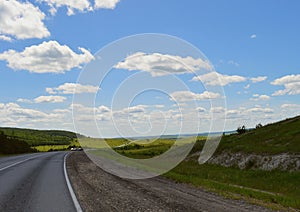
pixel 74 198
pixel 14 164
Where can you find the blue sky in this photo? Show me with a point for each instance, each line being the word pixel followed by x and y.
pixel 40 60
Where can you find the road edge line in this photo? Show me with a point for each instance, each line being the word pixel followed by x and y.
pixel 73 195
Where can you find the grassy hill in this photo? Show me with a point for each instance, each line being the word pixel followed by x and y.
pixel 40 137
pixel 276 189
pixel 10 145
pixel 279 137
pixel 42 140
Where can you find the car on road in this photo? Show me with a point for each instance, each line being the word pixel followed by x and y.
pixel 76 149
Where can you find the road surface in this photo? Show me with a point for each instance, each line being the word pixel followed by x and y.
pixel 100 191
pixel 34 182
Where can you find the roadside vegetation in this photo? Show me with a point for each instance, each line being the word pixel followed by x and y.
pixel 275 189
pixel 15 140
pixel 9 145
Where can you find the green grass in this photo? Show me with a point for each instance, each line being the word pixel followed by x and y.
pixel 146 148
pixel 43 140
pixel 274 188
pixel 40 137
pixel 280 137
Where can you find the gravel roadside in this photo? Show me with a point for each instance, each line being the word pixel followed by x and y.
pixel 98 190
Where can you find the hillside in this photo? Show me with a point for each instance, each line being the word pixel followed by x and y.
pixel 279 137
pixel 275 146
pixel 10 145
pixel 40 137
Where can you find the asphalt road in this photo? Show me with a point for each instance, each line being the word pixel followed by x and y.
pixel 34 182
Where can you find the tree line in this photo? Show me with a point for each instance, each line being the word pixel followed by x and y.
pixel 11 145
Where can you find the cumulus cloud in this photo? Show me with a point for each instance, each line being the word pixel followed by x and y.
pixel 81 5
pixel 258 79
pixel 73 88
pixel 103 109
pixel 106 4
pixel 24 100
pixel 260 110
pixel 200 109
pixel 12 114
pixel 21 20
pixel 185 96
pixel 233 114
pixel 49 99
pixel 18 112
pixel 253 36
pixel 217 79
pixel 5 38
pixel 291 84
pixel 162 64
pixel 257 97
pixel 47 57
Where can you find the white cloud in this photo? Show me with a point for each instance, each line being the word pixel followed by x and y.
pixel 232 62
pixel 217 110
pixel 73 88
pixel 125 112
pixel 185 96
pixel 290 106
pixel 162 64
pixel 24 100
pixel 258 79
pixel 200 109
pixel 214 78
pixel 5 38
pixel 21 20
pixel 257 97
pixel 103 109
pixel 260 110
pixel 12 114
pixel 79 5
pixel 291 84
pixel 47 57
pixel 106 4
pixel 233 114
pixel 49 99
pixel 253 36
pixel 247 86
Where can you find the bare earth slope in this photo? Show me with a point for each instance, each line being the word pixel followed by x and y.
pixel 97 190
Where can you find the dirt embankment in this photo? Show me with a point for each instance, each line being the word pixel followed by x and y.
pixel 97 190
pixel 283 161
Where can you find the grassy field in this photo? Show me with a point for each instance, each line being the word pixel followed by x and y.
pixel 275 189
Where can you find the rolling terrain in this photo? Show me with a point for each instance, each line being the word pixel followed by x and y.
pixel 260 166
pixel 39 140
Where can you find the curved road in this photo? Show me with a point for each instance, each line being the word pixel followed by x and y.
pixel 34 182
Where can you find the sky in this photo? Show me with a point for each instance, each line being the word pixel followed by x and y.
pixel 248 71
